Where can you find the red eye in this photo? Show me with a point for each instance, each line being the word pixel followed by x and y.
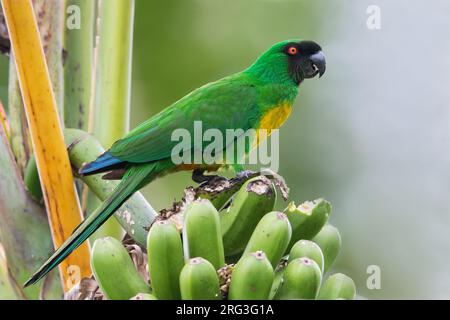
pixel 292 51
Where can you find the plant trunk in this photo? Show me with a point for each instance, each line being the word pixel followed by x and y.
pixel 24 231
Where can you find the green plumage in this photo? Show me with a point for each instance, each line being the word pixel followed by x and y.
pixel 239 101
pixel 225 104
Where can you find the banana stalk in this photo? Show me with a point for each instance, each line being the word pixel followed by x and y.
pixel 136 215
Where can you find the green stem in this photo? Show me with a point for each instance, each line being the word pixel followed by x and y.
pixel 78 61
pixel 113 70
pixel 136 215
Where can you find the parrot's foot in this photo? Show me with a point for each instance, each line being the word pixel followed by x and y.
pixel 198 176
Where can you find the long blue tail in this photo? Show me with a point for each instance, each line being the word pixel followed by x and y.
pixel 103 163
pixel 131 182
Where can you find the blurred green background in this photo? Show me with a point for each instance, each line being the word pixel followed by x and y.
pixel 372 136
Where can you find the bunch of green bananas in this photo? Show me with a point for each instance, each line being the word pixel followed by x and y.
pixel 263 254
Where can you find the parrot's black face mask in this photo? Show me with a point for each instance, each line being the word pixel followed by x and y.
pixel 306 60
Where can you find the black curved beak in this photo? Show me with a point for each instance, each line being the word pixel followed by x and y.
pixel 313 65
pixel 319 63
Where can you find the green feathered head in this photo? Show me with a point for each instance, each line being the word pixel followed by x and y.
pixel 290 61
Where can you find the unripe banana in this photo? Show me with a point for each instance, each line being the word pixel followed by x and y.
pixel 31 179
pixel 307 219
pixel 301 280
pixel 255 198
pixel 114 270
pixel 338 286
pixel 252 278
pixel 307 249
pixel 329 240
pixel 201 233
pixel 165 259
pixel 199 281
pixel 144 296
pixel 271 235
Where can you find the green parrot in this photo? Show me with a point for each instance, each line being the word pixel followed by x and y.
pixel 260 97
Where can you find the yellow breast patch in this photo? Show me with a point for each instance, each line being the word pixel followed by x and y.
pixel 273 119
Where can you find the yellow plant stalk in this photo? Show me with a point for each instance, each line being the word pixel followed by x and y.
pixel 48 143
pixel 4 121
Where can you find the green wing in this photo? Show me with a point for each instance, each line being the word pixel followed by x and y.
pixel 230 103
